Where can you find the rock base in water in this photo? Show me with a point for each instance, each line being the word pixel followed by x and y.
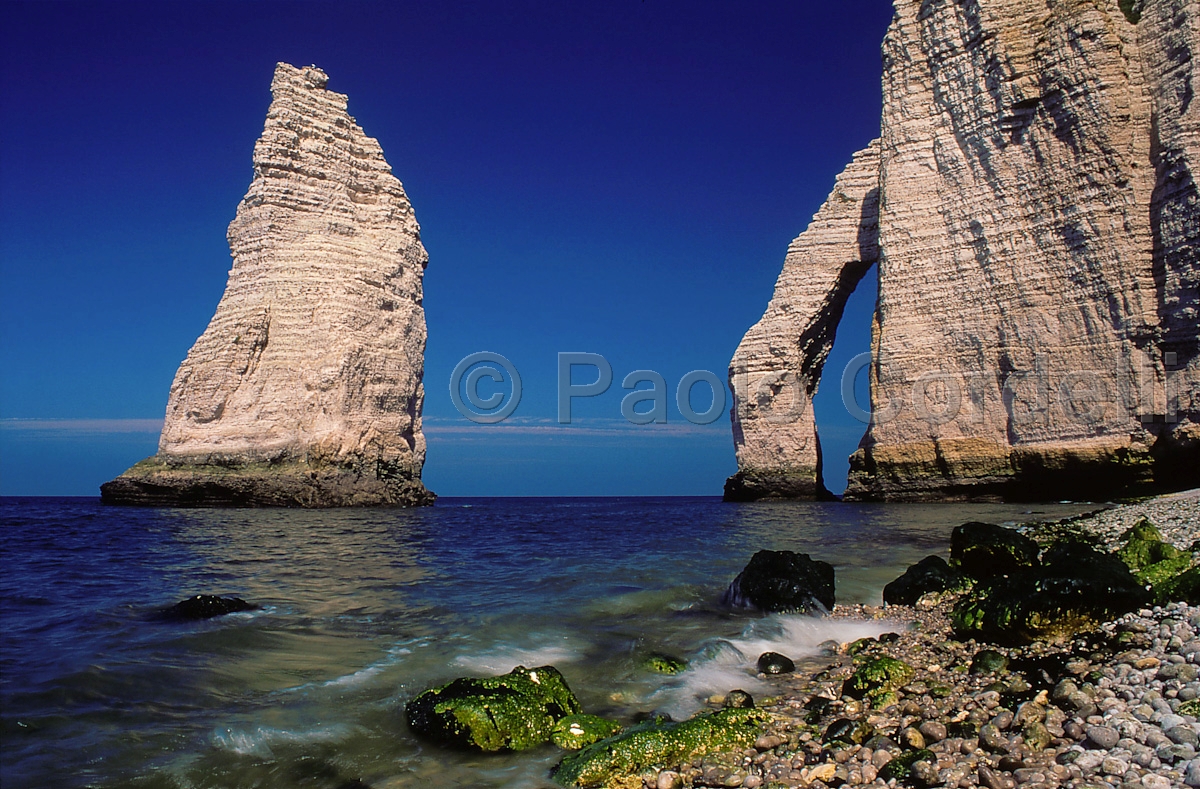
pixel 206 606
pixel 782 582
pixel 512 712
pixel 155 483
pixel 750 485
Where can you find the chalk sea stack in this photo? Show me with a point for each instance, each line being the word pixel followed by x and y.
pixel 1032 209
pixel 305 389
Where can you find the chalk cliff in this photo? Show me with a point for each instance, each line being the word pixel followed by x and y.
pixel 306 387
pixel 1033 213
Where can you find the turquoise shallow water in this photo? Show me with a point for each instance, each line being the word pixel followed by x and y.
pixel 362 609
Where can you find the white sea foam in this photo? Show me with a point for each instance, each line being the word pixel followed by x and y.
pixel 259 741
pixel 506 657
pixel 728 664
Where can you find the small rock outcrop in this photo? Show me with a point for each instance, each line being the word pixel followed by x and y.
pixel 657 743
pixel 931 575
pixel 782 581
pixel 1033 211
pixel 206 606
pixel 306 388
pixel 512 712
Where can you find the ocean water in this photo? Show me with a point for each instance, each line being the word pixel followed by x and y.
pixel 363 609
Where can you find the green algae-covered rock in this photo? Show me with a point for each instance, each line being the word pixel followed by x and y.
pixel 577 731
pixel 985 550
pixel 1157 575
pixel 659 744
pixel 854 647
pixel 988 661
pixel 878 679
pixel 662 663
pixel 1074 590
pixel 1144 546
pixel 514 711
pixel 1184 587
pixel 900 767
pixel 931 574
pixel 1189 708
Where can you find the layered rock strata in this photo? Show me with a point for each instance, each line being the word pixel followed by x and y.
pixel 1038 239
pixel 306 387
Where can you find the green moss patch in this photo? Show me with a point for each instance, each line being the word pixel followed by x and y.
pixel 658 744
pixel 516 711
pixel 578 731
pixel 878 679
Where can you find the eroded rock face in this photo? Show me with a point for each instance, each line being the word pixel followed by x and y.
pixel 306 387
pixel 1036 333
pixel 777 366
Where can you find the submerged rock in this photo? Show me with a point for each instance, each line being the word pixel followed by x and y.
pixel 1074 590
pixel 931 574
pixel 662 663
pixel 782 581
pixel 515 711
pixel 206 606
pixel 985 550
pixel 660 744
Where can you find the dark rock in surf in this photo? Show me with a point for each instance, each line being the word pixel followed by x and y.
pixel 782 581
pixel 206 606
pixel 775 663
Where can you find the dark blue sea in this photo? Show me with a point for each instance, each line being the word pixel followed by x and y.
pixel 363 609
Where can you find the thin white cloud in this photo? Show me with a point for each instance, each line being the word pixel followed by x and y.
pixel 81 426
pixel 449 427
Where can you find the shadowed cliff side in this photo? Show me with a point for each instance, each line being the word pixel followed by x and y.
pixel 306 388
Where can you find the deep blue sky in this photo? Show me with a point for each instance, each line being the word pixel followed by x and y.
pixel 621 178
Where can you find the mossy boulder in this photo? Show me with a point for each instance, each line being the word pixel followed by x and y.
pixel 782 582
pixel 1074 590
pixel 901 767
pixel 931 574
pixel 659 744
pixel 1144 546
pixel 988 661
pixel 984 550
pixel 1184 587
pixel 876 680
pixel 1158 574
pixel 662 663
pixel 515 711
pixel 578 731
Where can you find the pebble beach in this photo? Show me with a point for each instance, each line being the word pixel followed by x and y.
pixel 1116 708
